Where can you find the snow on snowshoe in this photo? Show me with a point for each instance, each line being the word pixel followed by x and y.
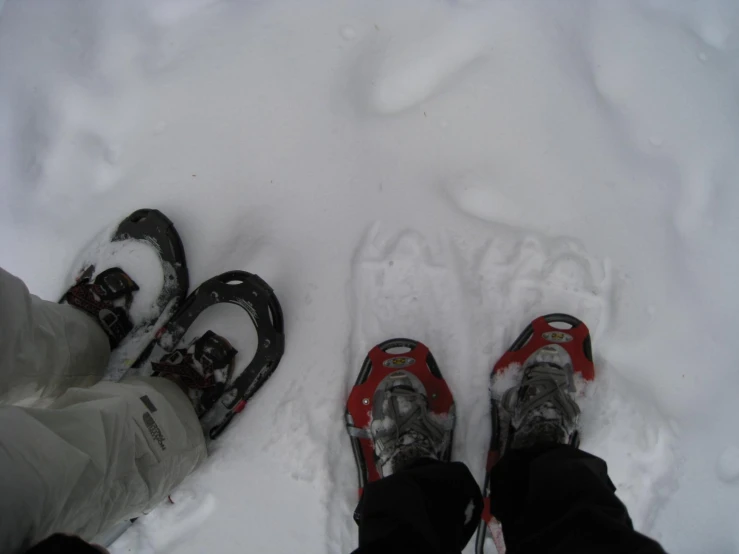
pixel 557 342
pixel 107 280
pixel 399 397
pixel 205 365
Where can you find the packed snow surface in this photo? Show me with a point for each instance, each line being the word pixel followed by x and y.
pixel 441 170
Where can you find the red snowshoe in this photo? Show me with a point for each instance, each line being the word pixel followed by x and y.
pixel 404 364
pixel 563 336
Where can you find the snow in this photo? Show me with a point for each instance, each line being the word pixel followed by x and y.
pixel 442 170
pixel 508 378
pixel 728 464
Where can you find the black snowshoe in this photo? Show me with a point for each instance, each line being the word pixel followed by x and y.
pixel 217 390
pixel 106 293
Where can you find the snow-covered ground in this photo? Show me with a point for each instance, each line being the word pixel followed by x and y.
pixel 443 170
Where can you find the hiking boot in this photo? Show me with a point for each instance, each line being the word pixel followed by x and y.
pixel 542 408
pixel 403 429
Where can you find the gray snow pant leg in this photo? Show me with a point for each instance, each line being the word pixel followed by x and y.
pixel 45 347
pixel 95 456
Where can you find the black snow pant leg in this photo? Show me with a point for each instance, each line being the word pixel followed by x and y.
pixel 431 508
pixel 558 499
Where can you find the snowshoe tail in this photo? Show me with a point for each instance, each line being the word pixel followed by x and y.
pixel 257 298
pixel 382 360
pixel 576 342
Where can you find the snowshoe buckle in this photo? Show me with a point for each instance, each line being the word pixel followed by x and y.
pixel 96 299
pixel 204 367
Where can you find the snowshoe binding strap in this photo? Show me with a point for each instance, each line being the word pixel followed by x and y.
pixel 402 427
pixel 542 383
pixel 107 299
pixel 204 368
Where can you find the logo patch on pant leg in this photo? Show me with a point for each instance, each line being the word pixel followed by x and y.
pixel 154 430
pixel 149 404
